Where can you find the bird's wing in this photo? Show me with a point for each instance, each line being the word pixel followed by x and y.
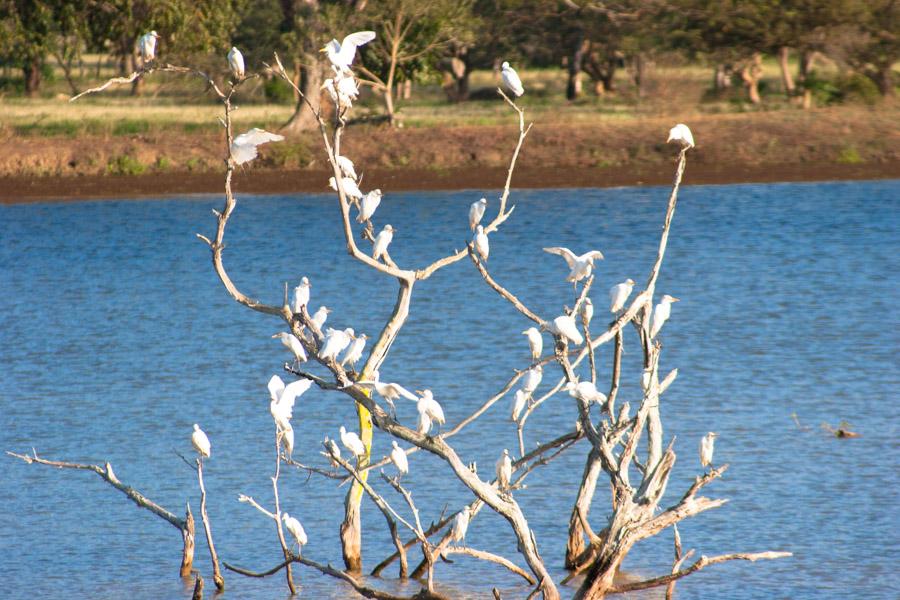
pixel 276 387
pixel 256 137
pixel 346 166
pixel 402 391
pixel 565 253
pixel 293 390
pixel 351 43
pixel 243 153
pixel 594 254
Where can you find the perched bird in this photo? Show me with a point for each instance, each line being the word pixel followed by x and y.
pixel 341 91
pixel 618 295
pixel 428 405
pixel 243 148
pixel 354 352
pixel 319 317
pixel 424 424
pixel 535 342
pixel 564 326
pixel 295 529
pixel 342 54
pixel 352 442
pixel 460 525
pixel 518 404
pixel 351 190
pixel 388 391
pixel 200 442
pixel 586 391
pixel 533 378
pixel 482 245
pixel 661 314
pixel 293 344
pixel 236 62
pixel 476 212
pixel 504 470
pixel 282 398
pixel 301 295
pixel 287 439
pixel 368 205
pixel 382 241
pixel 398 457
pixel 511 79
pixel 336 340
pixel 706 448
pixel 681 134
pixel 346 167
pixel 580 266
pixel 147 46
pixel 334 452
pixel 587 311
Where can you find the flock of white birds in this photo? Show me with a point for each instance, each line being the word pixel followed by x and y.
pixel 344 347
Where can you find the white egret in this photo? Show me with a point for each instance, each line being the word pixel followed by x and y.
pixel 518 404
pixel 661 314
pixel 243 148
pixel 533 378
pixel 482 245
pixel 301 295
pixel 398 457
pixel 580 266
pixel 382 241
pixel 706 448
pixel 346 166
pixel 295 529
pixel 147 46
pixel 320 316
pixel 388 391
pixel 586 391
pixel 428 405
pixel 424 424
pixel 476 212
pixel 587 311
pixel 282 398
pixel 535 342
pixel 511 79
pixel 351 190
pixel 342 54
pixel 341 98
pixel 336 340
pixel 504 470
pixel 352 442
pixel 354 352
pixel 334 451
pixel 200 442
pixel 236 62
pixel 293 344
pixel 287 439
pixel 460 525
pixel 681 134
pixel 368 205
pixel 618 295
pixel 564 326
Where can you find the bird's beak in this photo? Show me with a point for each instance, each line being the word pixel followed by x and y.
pixel 275 336
pixel 420 392
pixel 676 300
pixel 669 139
pixel 323 49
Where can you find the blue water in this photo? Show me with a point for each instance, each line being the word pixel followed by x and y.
pixel 117 336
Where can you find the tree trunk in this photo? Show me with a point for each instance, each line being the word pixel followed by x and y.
pixel 137 87
pixel 639 65
pixel 406 94
pixel 750 74
pixel 32 73
pixel 722 77
pixel 351 528
pixel 885 80
pixel 786 79
pixel 576 64
pixel 187 554
pixel 310 84
pixel 575 546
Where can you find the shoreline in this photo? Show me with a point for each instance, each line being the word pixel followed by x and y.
pixel 32 189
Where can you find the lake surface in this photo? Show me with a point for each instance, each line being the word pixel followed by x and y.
pixel 117 336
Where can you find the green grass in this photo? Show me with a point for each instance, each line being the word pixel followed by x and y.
pixel 124 164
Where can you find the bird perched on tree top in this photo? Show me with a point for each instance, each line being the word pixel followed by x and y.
pixel 236 63
pixel 511 79
pixel 342 54
pixel 579 266
pixel 681 135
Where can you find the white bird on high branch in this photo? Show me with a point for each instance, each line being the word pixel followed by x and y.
pixel 351 190
pixel 352 442
pixel 354 352
pixel 398 457
pixel 382 241
pixel 587 311
pixel 535 342
pixel 460 525
pixel 200 442
pixel 293 344
pixel 236 63
pixel 301 295
pixel 147 46
pixel 504 470
pixel 564 326
pixel 661 313
pixel 482 245
pixel 368 205
pixel 295 529
pixel 287 439
pixel 334 451
pixel 532 379
pixel 342 54
pixel 430 407
pixel 511 79
pixel 243 148
pixel 579 266
pixel 618 295
pixel 706 448
pixel 282 398
pixel 388 391
pixel 476 212
pixel 320 316
pixel 346 167
pixel 518 404
pixel 586 391
pixel 681 135
pixel 336 341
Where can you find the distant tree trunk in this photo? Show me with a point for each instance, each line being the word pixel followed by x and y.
pixel 575 66
pixel 786 79
pixel 137 86
pixel 406 92
pixel 639 72
pixel 575 546
pixel 310 83
pixel 804 66
pixel 722 77
pixel 884 79
pixel 750 73
pixel 32 72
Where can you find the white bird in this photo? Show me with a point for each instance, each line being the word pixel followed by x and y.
pixel 200 442
pixel 347 89
pixel 587 311
pixel 460 525
pixel 287 439
pixel 342 54
pixel 388 391
pixel 511 79
pixel 293 344
pixel 340 98
pixel 346 167
pixel 618 295
pixel 706 448
pixel 352 442
pixel 533 378
pixel 320 316
pixel 354 352
pixel 424 424
pixel 482 245
pixel 586 391
pixel 147 46
pixel 580 266
pixel 661 314
pixel 336 341
pixel 295 529
pixel 368 205
pixel 282 398
pixel 351 190
pixel 476 212
pixel 398 457
pixel 429 406
pixel 681 134
pixel 301 295
pixel 382 241
pixel 535 342
pixel 504 470
pixel 334 452
pixel 243 148
pixel 564 326
pixel 236 62
pixel 518 404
